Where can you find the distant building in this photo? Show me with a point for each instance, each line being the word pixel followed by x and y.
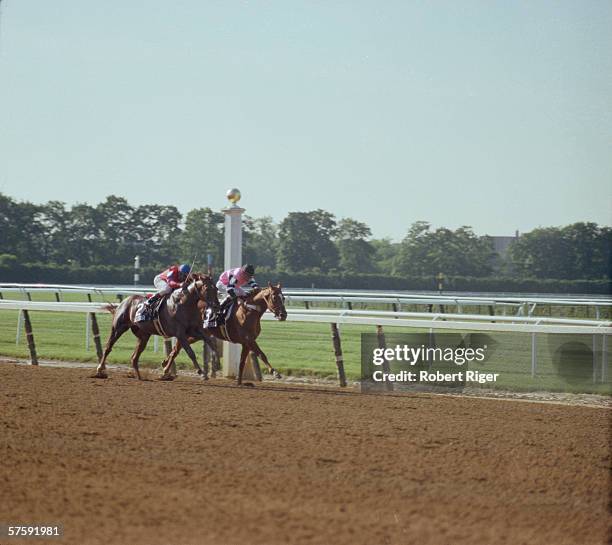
pixel 502 243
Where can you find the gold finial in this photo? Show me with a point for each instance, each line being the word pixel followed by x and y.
pixel 233 195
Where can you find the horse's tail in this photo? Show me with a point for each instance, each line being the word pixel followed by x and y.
pixel 110 307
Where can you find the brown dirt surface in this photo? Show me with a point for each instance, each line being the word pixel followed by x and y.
pixel 119 461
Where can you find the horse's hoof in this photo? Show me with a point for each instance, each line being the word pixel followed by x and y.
pixel 167 377
pixel 199 371
pixel 277 374
pixel 247 385
pixel 100 374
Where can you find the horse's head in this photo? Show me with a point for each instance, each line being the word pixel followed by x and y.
pixel 206 290
pixel 275 300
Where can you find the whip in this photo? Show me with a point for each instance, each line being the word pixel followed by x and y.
pixel 191 268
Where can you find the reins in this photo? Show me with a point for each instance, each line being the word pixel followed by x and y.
pixel 254 305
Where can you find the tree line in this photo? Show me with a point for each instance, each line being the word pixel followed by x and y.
pixel 113 232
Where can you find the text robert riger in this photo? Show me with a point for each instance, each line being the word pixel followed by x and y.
pixel 434 376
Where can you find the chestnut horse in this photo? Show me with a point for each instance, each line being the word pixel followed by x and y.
pixel 244 326
pixel 179 317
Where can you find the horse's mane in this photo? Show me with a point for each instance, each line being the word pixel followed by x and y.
pixel 200 276
pixel 257 290
pixel 193 277
pixel 253 293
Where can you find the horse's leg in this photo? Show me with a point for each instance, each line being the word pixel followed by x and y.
pixel 175 350
pixel 143 339
pixel 208 341
pixel 202 335
pixel 259 352
pixel 205 365
pixel 243 357
pixel 183 340
pixel 169 363
pixel 116 332
pixel 173 370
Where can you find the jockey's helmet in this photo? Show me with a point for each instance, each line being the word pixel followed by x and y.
pixel 184 269
pixel 249 269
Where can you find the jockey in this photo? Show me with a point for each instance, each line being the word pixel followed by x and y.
pixel 231 282
pixel 167 281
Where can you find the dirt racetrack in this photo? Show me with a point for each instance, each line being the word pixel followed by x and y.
pixel 187 463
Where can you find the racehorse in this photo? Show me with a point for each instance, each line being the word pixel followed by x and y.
pixel 244 327
pixel 179 316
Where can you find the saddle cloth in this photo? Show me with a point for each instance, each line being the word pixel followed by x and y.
pixel 218 319
pixel 146 313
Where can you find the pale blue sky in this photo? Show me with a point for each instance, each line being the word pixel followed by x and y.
pixel 495 114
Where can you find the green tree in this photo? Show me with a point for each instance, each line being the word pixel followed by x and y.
pixel 577 251
pixel 158 233
pixel 260 241
pixel 118 242
pixel 457 253
pixel 9 225
pixel 202 235
pixel 385 254
pixel 305 241
pixel 356 253
pixel 85 233
pixel 20 232
pixel 55 240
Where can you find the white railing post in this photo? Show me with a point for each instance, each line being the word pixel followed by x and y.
pixel 604 358
pixel 136 270
pixel 19 327
pixel 594 359
pixel 533 355
pixel 232 258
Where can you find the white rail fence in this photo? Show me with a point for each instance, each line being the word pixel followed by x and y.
pixel 520 306
pixel 410 320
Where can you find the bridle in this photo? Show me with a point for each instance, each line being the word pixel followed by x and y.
pixel 278 313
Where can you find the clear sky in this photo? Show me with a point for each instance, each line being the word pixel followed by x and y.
pixel 495 114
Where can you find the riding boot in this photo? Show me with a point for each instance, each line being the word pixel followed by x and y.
pixel 152 301
pixel 225 304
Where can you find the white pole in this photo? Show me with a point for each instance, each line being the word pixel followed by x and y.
pixel 19 327
pixel 533 355
pixel 594 358
pixel 604 357
pixel 232 258
pixel 136 270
